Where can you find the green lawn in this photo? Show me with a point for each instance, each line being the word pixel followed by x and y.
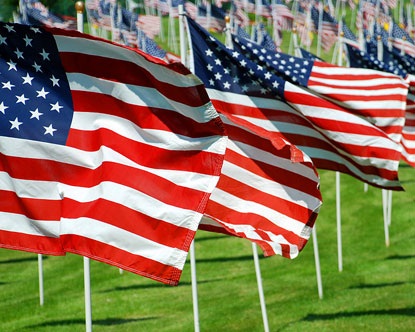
pixel 374 292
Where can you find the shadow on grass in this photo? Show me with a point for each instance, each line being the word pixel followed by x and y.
pixel 21 260
pixel 401 257
pixel 103 322
pixel 387 312
pixel 362 286
pixel 215 237
pixel 149 286
pixel 227 259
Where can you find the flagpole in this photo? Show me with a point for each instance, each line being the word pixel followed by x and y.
pixel 195 300
pixel 40 268
pixel 338 198
pixel 317 263
pixel 79 7
pixel 260 288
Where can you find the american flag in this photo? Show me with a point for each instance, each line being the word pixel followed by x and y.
pixel 268 190
pixel 337 139
pixel 106 152
pixel 382 101
pixel 361 59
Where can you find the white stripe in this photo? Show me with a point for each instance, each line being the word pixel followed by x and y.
pixel 139 96
pixel 124 240
pixel 102 48
pixel 18 223
pixel 151 137
pixel 271 187
pixel 244 206
pixel 359 73
pixel 273 160
pixel 114 192
pixel 92 160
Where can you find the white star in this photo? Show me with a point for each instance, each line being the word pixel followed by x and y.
pixel 209 52
pixel 209 67
pixel 218 76
pixel 42 93
pixel 27 79
pixel 235 54
pixel 35 30
pixel 56 107
pixel 15 123
pixel 3 107
pixel 28 41
pixel 44 54
pixel 218 62
pixel 37 67
pixel 3 40
pixel 211 82
pixel 36 114
pixel 9 28
pixel 267 75
pixel 49 130
pixel 243 63
pixel 7 85
pixel 18 53
pixel 12 65
pixel 21 99
pixel 275 84
pixel 55 81
pixel 226 85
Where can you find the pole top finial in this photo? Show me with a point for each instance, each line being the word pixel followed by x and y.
pixel 79 6
pixel 227 19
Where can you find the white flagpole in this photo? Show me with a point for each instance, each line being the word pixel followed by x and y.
pixel 317 263
pixel 260 288
pixel 79 7
pixel 192 246
pixel 338 205
pixel 194 287
pixel 40 268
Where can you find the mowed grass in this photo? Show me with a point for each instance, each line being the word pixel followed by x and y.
pixel 374 292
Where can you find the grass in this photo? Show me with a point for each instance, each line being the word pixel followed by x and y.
pixel 374 292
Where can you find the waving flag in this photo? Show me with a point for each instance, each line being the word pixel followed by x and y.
pixel 104 151
pixel 268 189
pixel 334 138
pixel 378 96
pixel 399 66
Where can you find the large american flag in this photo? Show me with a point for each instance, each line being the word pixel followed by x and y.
pixel 333 137
pixel 105 151
pixel 268 190
pixel 378 96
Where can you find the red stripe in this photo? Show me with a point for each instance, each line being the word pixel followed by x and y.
pixel 145 116
pixel 127 261
pixel 143 181
pixel 131 73
pixel 222 213
pixel 32 208
pixel 149 156
pixel 127 219
pixel 31 243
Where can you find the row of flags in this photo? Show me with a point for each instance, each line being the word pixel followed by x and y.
pixel 123 165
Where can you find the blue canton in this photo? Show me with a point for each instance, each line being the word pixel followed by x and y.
pixel 288 67
pixel 227 70
pixel 35 98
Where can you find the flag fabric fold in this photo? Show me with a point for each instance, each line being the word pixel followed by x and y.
pixel 379 97
pixel 105 151
pixel 268 191
pixel 334 138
